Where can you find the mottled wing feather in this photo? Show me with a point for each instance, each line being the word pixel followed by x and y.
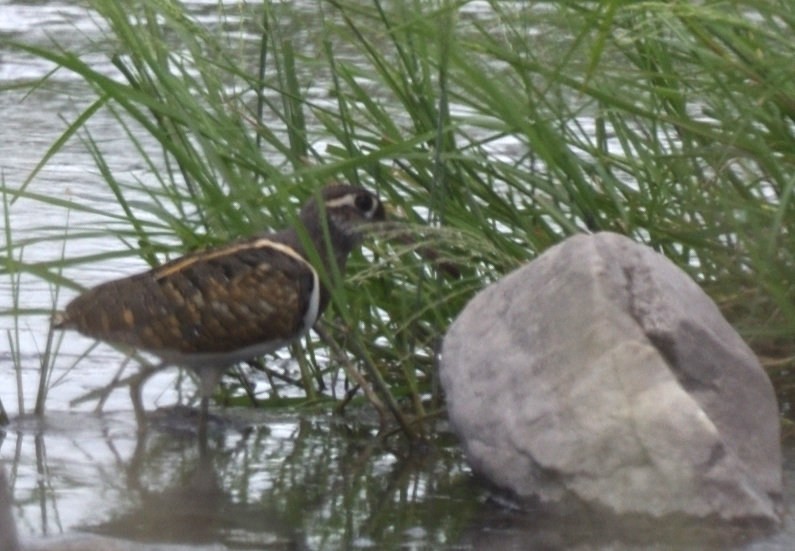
pixel 221 301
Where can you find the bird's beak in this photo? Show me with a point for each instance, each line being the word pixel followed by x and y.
pixel 392 212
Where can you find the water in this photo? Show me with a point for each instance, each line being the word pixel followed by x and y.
pixel 306 482
pixel 270 481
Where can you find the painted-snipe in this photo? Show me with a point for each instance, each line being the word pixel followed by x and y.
pixel 210 310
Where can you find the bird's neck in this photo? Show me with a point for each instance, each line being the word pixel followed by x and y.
pixel 330 247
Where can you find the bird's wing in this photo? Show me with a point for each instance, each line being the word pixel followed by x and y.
pixel 211 302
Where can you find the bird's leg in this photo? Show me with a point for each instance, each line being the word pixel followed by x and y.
pixel 209 378
pixel 204 413
pixel 105 392
pixel 247 385
pixel 136 386
pixel 138 403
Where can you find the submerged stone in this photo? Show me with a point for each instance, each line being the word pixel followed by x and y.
pixel 601 374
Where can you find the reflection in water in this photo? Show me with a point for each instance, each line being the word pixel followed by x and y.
pixel 179 497
pixel 8 529
pixel 306 483
pixel 310 482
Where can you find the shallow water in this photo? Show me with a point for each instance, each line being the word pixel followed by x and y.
pixel 301 481
pixel 305 482
pixel 283 482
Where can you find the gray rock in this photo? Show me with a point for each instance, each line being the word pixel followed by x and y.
pixel 601 373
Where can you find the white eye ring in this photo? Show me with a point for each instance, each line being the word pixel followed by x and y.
pixel 354 200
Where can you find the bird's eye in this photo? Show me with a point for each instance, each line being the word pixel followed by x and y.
pixel 364 202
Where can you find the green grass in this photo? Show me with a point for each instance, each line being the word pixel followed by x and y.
pixel 495 136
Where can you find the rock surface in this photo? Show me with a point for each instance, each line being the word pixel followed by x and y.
pixel 601 373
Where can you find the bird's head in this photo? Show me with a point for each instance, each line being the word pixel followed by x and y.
pixel 348 210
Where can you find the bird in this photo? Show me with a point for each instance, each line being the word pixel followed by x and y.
pixel 212 309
